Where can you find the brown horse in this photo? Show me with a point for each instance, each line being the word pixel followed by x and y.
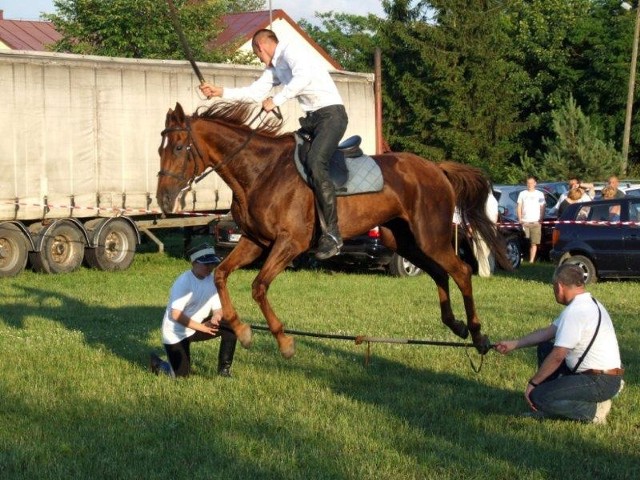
pixel 275 208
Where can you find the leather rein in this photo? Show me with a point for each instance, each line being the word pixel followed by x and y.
pixel 193 146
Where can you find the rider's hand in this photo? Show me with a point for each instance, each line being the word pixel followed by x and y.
pixel 268 104
pixel 210 91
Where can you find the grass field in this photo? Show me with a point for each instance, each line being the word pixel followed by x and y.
pixel 77 399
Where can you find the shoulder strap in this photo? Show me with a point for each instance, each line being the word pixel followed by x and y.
pixel 592 339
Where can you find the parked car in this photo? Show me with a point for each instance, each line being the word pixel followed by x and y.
pixel 507 196
pixel 367 251
pixel 602 248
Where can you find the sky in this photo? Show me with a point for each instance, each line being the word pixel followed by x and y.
pixel 296 9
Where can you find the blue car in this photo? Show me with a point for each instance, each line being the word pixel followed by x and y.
pixel 602 237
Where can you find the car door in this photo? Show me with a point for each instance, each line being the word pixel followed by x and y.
pixel 632 236
pixel 604 240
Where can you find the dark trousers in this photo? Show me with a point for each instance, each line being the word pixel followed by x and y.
pixel 572 396
pixel 326 127
pixel 179 354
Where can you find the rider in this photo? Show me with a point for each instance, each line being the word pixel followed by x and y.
pixel 326 118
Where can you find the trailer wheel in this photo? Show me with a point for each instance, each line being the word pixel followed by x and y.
pixel 62 249
pixel 115 248
pixel 13 250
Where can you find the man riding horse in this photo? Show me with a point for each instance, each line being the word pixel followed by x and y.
pixel 326 118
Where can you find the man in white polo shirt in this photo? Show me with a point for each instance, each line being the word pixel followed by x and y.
pixel 531 204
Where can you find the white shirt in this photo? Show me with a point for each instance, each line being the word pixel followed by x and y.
pixel 301 75
pixel 197 298
pixel 531 202
pixel 576 326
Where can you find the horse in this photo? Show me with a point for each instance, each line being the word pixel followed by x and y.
pixel 276 211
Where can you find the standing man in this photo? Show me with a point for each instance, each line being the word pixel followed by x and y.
pixel 531 204
pixel 615 184
pixel 194 314
pixel 326 118
pixel 579 366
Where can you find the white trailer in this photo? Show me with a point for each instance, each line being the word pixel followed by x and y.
pixel 79 153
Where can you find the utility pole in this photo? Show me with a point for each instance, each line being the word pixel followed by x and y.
pixel 630 94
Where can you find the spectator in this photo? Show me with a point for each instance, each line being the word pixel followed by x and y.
pixel 531 205
pixel 609 193
pixel 575 195
pixel 573 183
pixel 615 184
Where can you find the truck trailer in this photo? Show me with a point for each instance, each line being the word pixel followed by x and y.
pixel 79 153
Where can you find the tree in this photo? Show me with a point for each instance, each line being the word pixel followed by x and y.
pixel 349 39
pixel 141 28
pixel 451 89
pixel 577 148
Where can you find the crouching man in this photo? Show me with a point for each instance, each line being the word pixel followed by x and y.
pixel 579 366
pixel 194 314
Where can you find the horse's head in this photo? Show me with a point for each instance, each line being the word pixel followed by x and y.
pixel 178 158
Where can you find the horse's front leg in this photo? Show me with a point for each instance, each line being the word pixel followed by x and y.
pixel 243 254
pixel 281 255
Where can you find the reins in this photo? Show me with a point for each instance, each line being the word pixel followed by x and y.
pixel 192 145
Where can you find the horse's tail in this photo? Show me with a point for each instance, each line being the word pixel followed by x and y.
pixel 472 188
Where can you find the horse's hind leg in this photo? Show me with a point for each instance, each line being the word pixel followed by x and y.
pixel 451 265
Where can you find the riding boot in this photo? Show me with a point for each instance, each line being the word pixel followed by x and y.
pixel 330 242
pixel 225 354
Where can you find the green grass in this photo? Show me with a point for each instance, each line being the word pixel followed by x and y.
pixel 77 400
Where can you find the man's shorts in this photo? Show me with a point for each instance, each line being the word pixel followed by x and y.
pixel 533 231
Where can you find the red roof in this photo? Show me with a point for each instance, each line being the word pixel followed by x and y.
pixel 242 26
pixel 27 34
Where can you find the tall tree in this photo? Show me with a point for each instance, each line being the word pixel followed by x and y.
pixel 141 28
pixel 451 90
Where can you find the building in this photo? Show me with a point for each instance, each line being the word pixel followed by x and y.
pixel 240 27
pixel 237 28
pixel 26 34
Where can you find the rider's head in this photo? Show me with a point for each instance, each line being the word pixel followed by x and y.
pixel 264 44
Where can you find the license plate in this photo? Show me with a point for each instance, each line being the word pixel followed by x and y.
pixel 235 237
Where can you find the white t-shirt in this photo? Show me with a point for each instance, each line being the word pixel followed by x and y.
pixel 531 202
pixel 576 325
pixel 196 298
pixel 301 76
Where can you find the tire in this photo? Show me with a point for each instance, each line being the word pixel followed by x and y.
pixel 586 265
pixel 399 267
pixel 61 249
pixel 514 251
pixel 115 245
pixel 13 250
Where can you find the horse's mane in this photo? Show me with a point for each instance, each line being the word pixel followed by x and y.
pixel 240 113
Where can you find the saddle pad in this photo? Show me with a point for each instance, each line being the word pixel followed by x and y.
pixel 364 174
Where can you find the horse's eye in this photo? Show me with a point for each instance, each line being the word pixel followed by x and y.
pixel 179 147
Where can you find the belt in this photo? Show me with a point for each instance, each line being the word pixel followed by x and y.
pixel 613 371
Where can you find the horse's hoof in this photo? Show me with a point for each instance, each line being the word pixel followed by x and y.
pixel 482 344
pixel 287 346
pixel 245 335
pixel 459 328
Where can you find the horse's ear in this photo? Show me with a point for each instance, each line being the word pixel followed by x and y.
pixel 167 119
pixel 179 113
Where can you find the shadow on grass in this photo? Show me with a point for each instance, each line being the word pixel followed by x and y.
pixel 446 409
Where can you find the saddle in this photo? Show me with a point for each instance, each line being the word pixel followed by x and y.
pixel 350 170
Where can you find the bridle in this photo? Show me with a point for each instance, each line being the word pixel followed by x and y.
pixel 193 146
